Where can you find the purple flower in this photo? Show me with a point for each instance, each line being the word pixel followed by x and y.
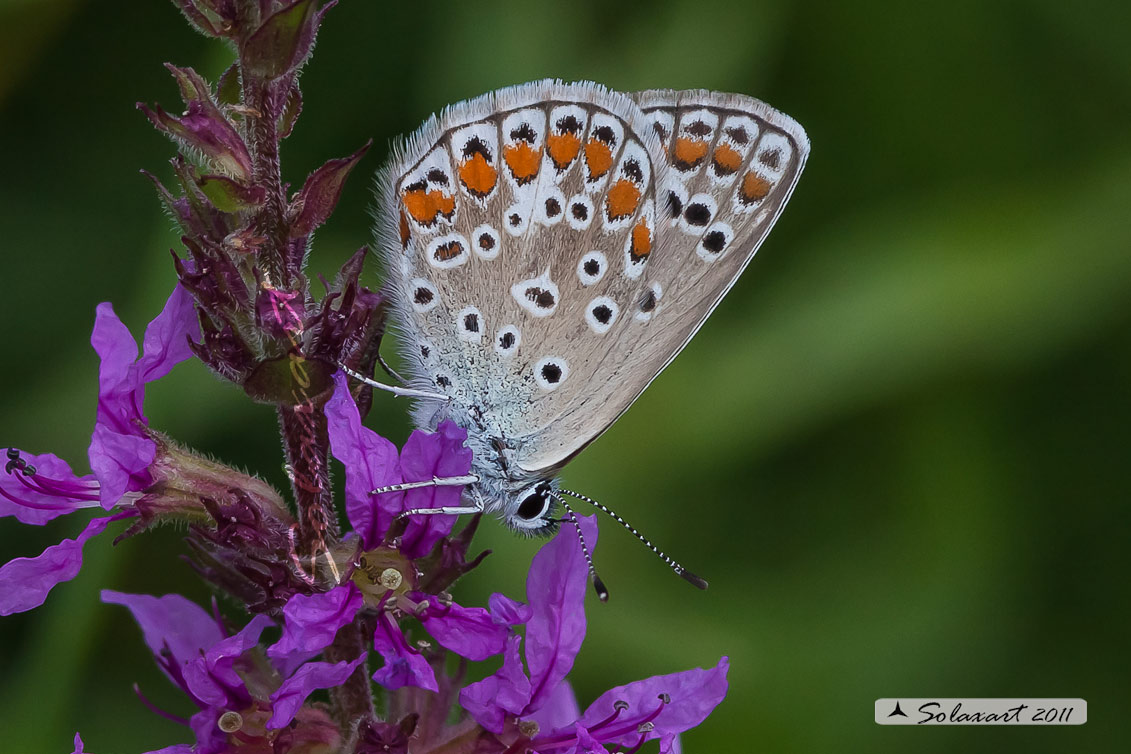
pixel 404 665
pixel 291 695
pixel 371 461
pixel 218 672
pixel 39 488
pixel 311 622
pixel 25 582
pixel 280 313
pixel 507 702
pixel 120 451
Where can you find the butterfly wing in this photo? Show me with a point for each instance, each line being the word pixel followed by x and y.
pixel 731 164
pixel 515 232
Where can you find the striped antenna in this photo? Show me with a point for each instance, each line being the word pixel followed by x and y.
pixel 680 571
pixel 598 585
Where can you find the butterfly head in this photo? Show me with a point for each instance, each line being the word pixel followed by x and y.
pixel 530 510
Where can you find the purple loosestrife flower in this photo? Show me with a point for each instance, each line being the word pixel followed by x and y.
pixel 121 452
pixel 39 488
pixel 392 574
pixel 535 710
pixel 246 704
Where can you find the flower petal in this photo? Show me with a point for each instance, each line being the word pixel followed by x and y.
pixel 370 461
pixel 556 587
pixel 209 738
pixel 119 462
pixel 78 745
pixel 52 491
pixel 212 678
pixel 426 455
pixel 693 693
pixel 290 696
pixel 468 631
pixel 170 621
pixel 25 582
pixel 587 742
pixel 404 666
pixel 117 352
pixel 559 710
pixel 166 341
pixel 174 749
pixel 119 451
pixel 508 612
pixel 507 691
pixel 311 622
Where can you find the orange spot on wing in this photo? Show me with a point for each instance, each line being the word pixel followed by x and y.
pixel 563 149
pixel 641 242
pixel 425 206
pixel 404 230
pixel 754 188
pixel 622 199
pixel 689 153
pixel 599 157
pixel 478 175
pixel 523 160
pixel 727 159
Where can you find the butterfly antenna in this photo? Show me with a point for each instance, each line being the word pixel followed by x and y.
pixel 598 585
pixel 680 571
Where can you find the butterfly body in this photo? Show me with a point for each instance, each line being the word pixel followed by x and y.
pixel 551 247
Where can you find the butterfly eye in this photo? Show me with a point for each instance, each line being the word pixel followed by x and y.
pixel 534 505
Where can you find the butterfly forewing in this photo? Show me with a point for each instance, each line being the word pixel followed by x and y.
pixel 732 163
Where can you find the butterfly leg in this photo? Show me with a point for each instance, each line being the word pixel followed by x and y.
pixel 450 481
pixel 403 392
pixel 389 370
pixel 447 511
pixel 447 481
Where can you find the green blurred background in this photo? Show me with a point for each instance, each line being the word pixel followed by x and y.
pixel 898 451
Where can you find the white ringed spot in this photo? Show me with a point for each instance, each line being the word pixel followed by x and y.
pixel 551 207
pixel 698 213
pixel 539 295
pixel 601 314
pixel 446 252
pixel 516 219
pixel 550 372
pixel 715 241
pixel 485 241
pixel 424 295
pixel 646 307
pixel 592 268
pixel 469 324
pixel 579 213
pixel 507 341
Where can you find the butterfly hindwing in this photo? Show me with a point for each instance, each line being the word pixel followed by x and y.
pixel 517 227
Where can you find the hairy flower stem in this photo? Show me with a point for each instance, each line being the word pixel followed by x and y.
pixel 306 443
pixel 303 425
pixel 353 700
pixel 263 103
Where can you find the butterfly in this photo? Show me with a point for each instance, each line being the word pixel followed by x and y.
pixel 550 248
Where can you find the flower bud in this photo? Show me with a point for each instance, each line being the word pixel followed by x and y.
pixel 203 129
pixel 319 195
pixel 283 41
